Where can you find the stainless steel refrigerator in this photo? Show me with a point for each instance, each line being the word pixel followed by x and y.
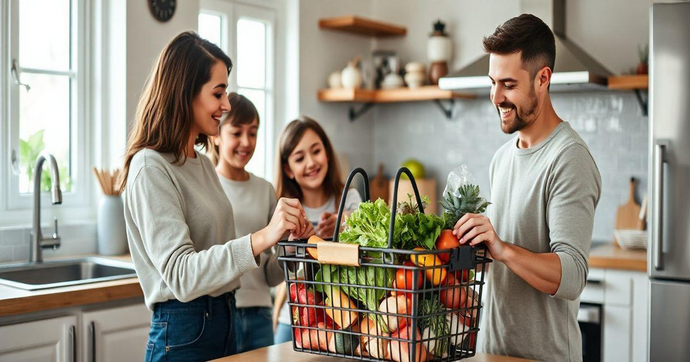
pixel 668 262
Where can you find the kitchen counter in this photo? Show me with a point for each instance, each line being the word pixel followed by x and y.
pixel 610 256
pixel 284 353
pixel 17 301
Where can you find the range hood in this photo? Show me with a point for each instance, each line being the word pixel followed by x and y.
pixel 574 69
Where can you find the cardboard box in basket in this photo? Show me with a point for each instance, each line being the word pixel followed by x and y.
pixel 425 186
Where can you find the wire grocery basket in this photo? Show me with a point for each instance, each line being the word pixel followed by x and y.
pixel 376 304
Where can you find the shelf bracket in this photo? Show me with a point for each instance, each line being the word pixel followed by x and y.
pixel 448 112
pixel 354 114
pixel 642 101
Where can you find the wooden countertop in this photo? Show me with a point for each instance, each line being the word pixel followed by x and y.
pixel 17 301
pixel 610 256
pixel 284 353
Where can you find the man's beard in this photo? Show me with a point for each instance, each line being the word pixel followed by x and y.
pixel 519 120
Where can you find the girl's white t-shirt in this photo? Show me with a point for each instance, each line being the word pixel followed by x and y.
pixel 352 201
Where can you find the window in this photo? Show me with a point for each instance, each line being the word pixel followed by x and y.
pixel 44 97
pixel 246 33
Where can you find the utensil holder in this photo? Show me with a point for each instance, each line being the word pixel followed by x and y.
pixel 111 229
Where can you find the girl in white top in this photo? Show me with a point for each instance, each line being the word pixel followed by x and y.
pixel 231 150
pixel 187 255
pixel 308 170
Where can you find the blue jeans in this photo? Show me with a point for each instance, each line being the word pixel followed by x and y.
pixel 283 333
pixel 200 330
pixel 253 328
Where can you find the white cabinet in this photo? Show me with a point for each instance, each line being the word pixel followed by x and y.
pixel 624 297
pixel 46 340
pixel 115 334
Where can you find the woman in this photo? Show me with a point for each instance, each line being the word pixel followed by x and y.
pixel 179 223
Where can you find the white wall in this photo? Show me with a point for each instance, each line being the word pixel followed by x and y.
pixel 146 37
pixel 610 30
pixel 322 52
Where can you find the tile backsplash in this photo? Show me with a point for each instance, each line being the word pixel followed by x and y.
pixel 76 239
pixel 611 123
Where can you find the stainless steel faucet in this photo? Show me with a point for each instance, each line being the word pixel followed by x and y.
pixel 37 240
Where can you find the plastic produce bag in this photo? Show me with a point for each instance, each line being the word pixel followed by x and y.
pixel 461 196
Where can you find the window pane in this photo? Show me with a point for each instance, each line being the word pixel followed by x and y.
pixel 251 54
pixel 44 123
pixel 210 28
pixel 44 34
pixel 257 165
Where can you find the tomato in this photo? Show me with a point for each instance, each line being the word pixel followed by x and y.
pixel 404 278
pixel 446 241
pixel 454 295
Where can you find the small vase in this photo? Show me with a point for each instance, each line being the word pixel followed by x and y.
pixel 439 48
pixel 112 232
pixel 436 71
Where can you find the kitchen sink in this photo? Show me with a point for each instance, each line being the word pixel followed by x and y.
pixel 54 274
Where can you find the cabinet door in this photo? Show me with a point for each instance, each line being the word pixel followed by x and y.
pixel 116 334
pixel 46 340
pixel 617 333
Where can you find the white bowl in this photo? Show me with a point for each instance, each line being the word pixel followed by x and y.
pixel 631 239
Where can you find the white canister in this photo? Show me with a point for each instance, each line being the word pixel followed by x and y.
pixel 439 47
pixel 111 229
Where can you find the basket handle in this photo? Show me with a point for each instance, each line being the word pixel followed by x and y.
pixel 394 204
pixel 352 175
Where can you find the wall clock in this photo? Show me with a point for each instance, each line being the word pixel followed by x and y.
pixel 162 10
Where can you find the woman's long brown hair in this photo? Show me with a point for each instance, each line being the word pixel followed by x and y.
pixel 242 111
pixel 164 114
pixel 292 134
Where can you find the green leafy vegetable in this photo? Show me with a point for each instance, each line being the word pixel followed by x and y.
pixel 366 276
pixel 437 323
pixel 369 225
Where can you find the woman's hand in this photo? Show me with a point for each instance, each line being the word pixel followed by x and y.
pixel 288 216
pixel 309 231
pixel 475 229
pixel 326 225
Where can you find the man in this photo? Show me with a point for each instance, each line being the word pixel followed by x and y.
pixel 544 187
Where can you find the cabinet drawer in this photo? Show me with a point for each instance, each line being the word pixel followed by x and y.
pixel 618 288
pixel 594 290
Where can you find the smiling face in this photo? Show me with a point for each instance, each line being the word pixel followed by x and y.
pixel 308 162
pixel 210 104
pixel 236 143
pixel 513 91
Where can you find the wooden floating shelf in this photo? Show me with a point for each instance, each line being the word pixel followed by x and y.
pixel 629 82
pixel 424 93
pixel 362 26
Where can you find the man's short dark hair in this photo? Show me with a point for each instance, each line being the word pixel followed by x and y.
pixel 526 33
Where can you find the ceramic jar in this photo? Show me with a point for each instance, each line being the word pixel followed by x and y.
pixel 439 47
pixel 351 77
pixel 110 226
pixel 415 75
pixel 436 71
pixel 334 80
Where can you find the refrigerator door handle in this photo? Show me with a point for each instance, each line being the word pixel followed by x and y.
pixel 657 236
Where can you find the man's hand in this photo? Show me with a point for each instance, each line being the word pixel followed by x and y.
pixel 540 270
pixel 475 229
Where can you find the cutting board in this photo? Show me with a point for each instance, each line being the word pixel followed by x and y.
pixel 378 186
pixel 628 214
pixel 424 186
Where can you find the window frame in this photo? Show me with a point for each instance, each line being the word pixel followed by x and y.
pixel 15 208
pixel 231 11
